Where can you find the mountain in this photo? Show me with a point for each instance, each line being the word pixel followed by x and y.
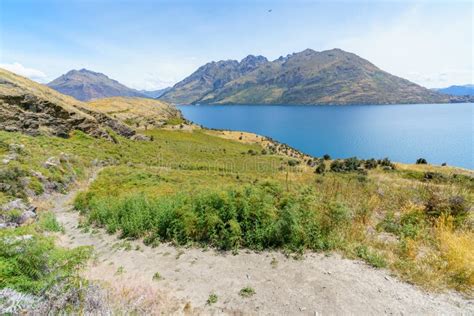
pixel 467 89
pixel 309 77
pixel 211 77
pixel 85 85
pixel 35 109
pixel 153 94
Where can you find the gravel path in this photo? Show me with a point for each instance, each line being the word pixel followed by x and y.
pixel 315 285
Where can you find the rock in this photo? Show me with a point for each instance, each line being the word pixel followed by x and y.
pixel 4 187
pixel 17 204
pixel 64 158
pixel 17 303
pixel 38 175
pixel 52 162
pixel 140 137
pixel 26 217
pixel 16 148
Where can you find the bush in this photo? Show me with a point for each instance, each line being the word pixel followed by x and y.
pixel 320 168
pixel 346 165
pixel 455 206
pixel 421 161
pixel 247 292
pixel 370 164
pixel 48 222
pixel 371 257
pixel 257 217
pixel 31 263
pixel 293 162
pixel 326 157
pixel 386 164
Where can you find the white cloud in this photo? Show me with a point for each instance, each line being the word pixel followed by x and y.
pixel 422 45
pixel 150 81
pixel 21 70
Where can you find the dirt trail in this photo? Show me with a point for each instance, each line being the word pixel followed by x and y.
pixel 316 285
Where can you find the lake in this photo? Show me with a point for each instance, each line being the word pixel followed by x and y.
pixel 437 132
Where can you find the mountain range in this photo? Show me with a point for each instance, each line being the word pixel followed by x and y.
pixel 153 94
pixel 308 77
pixel 462 90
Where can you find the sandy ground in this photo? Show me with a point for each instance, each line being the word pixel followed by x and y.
pixel 315 285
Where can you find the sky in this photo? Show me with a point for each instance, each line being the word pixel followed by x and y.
pixel 149 44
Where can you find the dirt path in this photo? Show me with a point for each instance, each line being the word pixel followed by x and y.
pixel 316 285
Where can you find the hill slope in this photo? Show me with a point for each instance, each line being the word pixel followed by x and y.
pixel 136 112
pixel 467 89
pixel 85 85
pixel 309 77
pixel 32 108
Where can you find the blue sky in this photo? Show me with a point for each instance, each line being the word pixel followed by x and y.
pixel 151 44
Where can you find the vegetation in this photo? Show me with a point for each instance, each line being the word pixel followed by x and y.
pixel 247 292
pixel 157 276
pixel 48 222
pixel 31 263
pixel 421 161
pixel 190 187
pixel 212 299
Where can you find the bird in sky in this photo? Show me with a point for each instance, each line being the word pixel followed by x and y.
pixel 269 10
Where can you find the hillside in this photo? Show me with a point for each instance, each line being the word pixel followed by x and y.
pixel 467 89
pixel 32 108
pixel 309 77
pixel 136 112
pixel 86 85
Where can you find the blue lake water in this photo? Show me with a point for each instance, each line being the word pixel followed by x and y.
pixel 438 132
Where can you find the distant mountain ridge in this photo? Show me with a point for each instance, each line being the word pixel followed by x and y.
pixel 308 77
pixel 86 85
pixel 459 90
pixel 155 93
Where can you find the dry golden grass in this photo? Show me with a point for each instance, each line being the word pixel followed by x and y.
pixel 457 249
pixel 136 112
pixel 15 85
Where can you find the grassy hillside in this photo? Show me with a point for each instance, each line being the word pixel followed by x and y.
pixel 198 188
pixel 136 112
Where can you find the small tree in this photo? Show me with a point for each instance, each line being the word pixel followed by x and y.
pixel 421 161
pixel 326 157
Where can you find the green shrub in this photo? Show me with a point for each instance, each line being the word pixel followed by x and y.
pixel 293 162
pixel 257 217
pixel 320 168
pixel 31 263
pixel 48 222
pixel 421 161
pixel 247 292
pixel 212 299
pixel 371 257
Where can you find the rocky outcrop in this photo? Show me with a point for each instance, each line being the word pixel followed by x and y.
pixel 16 213
pixel 34 109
